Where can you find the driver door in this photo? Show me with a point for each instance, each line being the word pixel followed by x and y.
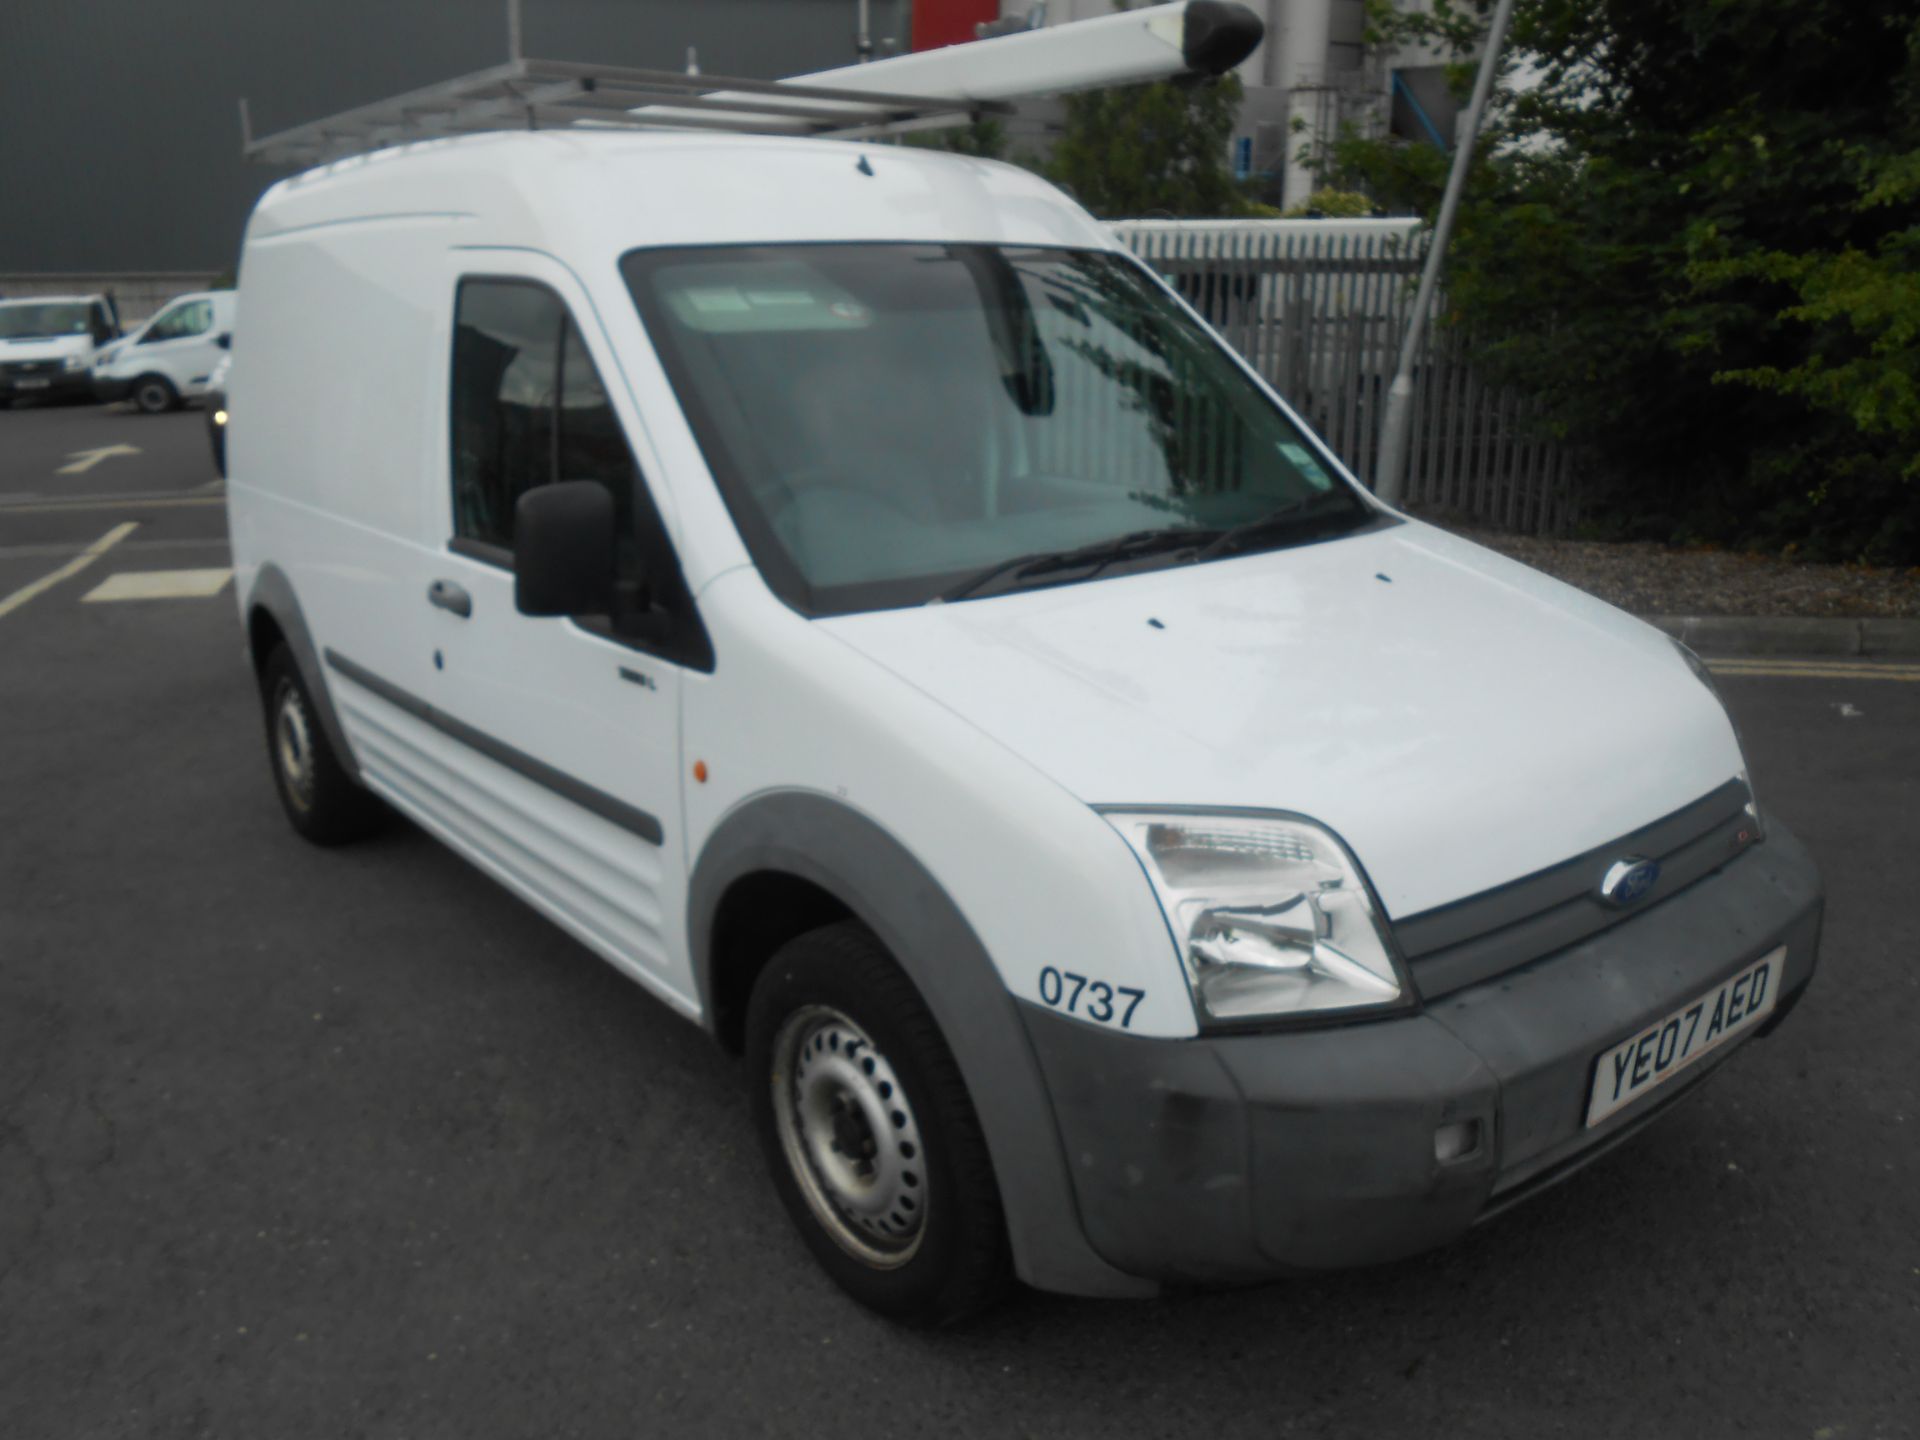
pixel 563 737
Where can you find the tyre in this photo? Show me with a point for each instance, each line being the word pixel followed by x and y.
pixel 154 395
pixel 321 800
pixel 867 1126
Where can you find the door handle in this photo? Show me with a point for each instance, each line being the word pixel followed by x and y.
pixel 449 596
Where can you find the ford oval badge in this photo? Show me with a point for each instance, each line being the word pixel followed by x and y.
pixel 1629 881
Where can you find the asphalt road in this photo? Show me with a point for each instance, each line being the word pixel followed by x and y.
pixel 304 1143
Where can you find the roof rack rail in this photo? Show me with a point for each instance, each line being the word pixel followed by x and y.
pixel 544 94
pixel 937 88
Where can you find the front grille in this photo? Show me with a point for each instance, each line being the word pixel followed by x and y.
pixel 1487 935
pixel 20 369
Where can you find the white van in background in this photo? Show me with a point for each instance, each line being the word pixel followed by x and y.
pixel 172 357
pixel 49 343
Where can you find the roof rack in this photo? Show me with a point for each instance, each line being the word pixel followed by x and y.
pixel 941 88
pixel 543 94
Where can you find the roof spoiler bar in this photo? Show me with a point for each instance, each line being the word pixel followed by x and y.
pixel 1160 42
pixel 929 89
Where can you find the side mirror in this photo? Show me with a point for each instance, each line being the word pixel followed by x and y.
pixel 225 342
pixel 563 550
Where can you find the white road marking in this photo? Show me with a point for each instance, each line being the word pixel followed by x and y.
pixel 73 567
pixel 81 461
pixel 159 585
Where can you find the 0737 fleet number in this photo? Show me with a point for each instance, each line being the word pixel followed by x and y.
pixel 1094 999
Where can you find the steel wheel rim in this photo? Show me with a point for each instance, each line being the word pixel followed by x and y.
pixel 850 1136
pixel 293 746
pixel 151 398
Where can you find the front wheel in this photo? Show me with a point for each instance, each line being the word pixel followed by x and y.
pixel 872 1139
pixel 320 798
pixel 154 394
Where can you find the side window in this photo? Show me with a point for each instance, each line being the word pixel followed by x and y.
pixel 195 317
pixel 157 327
pixel 506 365
pixel 528 409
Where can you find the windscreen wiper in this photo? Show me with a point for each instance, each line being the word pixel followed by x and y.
pixel 1306 516
pixel 1098 555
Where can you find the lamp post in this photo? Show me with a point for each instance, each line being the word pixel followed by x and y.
pixel 1390 473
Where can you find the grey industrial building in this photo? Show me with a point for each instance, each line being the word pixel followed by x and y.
pixel 120 133
pixel 119 126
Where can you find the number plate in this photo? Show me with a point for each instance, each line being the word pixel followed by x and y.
pixel 1654 1056
pixel 31 384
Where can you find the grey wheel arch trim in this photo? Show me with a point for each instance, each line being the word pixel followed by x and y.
pixel 273 593
pixel 821 840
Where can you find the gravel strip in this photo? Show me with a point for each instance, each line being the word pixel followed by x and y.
pixel 1651 579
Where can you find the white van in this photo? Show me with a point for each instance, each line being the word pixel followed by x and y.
pixel 48 344
pixel 172 357
pixel 841 587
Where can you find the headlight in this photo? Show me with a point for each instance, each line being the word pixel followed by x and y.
pixel 74 362
pixel 1271 915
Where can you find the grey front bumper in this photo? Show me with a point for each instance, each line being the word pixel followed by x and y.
pixel 53 382
pixel 1238 1157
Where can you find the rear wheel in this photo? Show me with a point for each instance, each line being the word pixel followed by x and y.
pixel 872 1139
pixel 154 394
pixel 321 799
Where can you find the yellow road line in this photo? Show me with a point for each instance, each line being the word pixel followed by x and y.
pixel 1798 662
pixel 122 502
pixel 1854 670
pixel 51 549
pixel 67 571
pixel 1847 662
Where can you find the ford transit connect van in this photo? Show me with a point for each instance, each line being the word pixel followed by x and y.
pixel 841 587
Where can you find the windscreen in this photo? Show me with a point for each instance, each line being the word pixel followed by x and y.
pixel 38 321
pixel 888 419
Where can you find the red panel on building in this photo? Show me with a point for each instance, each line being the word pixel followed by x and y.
pixel 949 22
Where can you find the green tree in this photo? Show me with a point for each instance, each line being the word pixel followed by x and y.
pixel 1332 205
pixel 985 139
pixel 1135 150
pixel 1697 238
pixel 1161 149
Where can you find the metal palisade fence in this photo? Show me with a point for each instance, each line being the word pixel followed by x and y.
pixel 1319 308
